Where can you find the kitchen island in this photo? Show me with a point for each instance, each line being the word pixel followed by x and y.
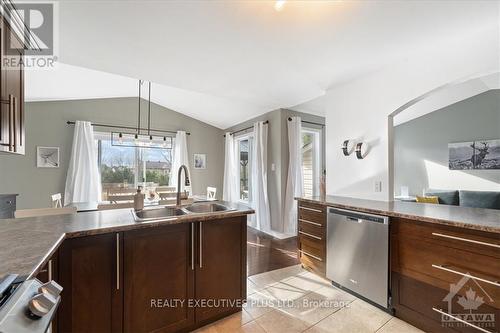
pixel 437 255
pixel 171 274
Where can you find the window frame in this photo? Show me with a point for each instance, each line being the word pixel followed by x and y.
pixel 99 136
pixel 317 152
pixel 237 140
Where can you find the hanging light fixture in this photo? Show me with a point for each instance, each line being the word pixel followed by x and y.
pixel 138 139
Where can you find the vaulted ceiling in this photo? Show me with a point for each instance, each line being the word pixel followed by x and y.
pixel 227 61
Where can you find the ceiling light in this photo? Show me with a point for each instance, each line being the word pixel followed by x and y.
pixel 279 5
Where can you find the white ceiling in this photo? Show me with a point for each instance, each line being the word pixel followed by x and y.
pixel 224 62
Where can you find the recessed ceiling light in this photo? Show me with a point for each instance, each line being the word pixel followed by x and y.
pixel 279 5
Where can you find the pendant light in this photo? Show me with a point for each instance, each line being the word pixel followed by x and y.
pixel 140 140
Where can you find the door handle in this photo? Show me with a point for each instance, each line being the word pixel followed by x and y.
pixel 468 275
pixel 192 246
pixel 309 235
pixel 311 209
pixel 11 124
pixel 14 122
pixel 310 222
pixel 21 120
pixel 460 320
pixel 201 244
pixel 117 261
pixel 310 255
pixel 466 240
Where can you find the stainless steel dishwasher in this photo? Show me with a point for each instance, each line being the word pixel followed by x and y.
pixel 358 253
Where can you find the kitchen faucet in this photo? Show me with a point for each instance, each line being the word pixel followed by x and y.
pixel 186 183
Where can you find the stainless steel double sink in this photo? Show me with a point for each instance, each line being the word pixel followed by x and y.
pixel 165 212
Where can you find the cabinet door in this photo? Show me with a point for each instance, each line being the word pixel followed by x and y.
pixel 159 271
pixel 221 267
pixel 89 272
pixel 12 128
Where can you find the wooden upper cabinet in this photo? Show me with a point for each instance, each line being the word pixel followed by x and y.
pixel 221 266
pixel 158 266
pixel 12 117
pixel 90 271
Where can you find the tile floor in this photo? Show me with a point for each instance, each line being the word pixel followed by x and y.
pixel 290 300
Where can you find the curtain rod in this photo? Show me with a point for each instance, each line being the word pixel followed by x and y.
pixel 128 127
pixel 308 122
pixel 245 129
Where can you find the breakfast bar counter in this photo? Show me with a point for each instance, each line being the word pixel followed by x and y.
pixel 27 243
pixel 470 218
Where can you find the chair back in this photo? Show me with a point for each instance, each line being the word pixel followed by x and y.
pixel 56 200
pixel 43 212
pixel 211 193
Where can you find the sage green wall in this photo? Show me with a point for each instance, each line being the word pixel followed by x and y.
pixel 277 155
pixel 46 126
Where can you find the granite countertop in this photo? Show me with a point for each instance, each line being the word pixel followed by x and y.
pixel 464 217
pixel 26 244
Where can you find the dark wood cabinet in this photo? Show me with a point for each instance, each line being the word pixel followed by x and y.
pixel 312 236
pixel 12 118
pixel 90 271
pixel 440 272
pixel 155 279
pixel 220 267
pixel 159 283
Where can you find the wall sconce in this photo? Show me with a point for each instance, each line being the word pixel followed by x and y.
pixel 361 150
pixel 347 147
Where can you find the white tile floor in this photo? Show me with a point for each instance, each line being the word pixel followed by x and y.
pixel 292 300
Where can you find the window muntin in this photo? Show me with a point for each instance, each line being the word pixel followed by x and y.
pixel 129 167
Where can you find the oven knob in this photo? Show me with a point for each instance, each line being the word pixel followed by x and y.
pixel 41 304
pixel 52 288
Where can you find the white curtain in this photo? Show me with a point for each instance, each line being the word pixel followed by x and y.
pixel 295 181
pixel 180 157
pixel 259 199
pixel 230 191
pixel 83 181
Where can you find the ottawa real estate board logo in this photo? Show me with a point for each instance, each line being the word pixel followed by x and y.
pixel 469 305
pixel 32 27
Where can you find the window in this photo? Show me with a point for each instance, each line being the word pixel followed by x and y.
pixel 243 149
pixel 311 161
pixel 129 167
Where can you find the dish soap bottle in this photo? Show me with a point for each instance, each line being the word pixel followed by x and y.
pixel 139 199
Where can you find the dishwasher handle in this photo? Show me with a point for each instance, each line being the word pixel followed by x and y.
pixel 358 217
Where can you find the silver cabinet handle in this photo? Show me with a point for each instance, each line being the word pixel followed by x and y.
pixel 21 121
pixel 50 270
pixel 14 121
pixel 311 209
pixel 117 261
pixel 12 125
pixel 309 235
pixel 310 222
pixel 192 246
pixel 466 240
pixel 201 244
pixel 310 255
pixel 441 267
pixel 461 320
